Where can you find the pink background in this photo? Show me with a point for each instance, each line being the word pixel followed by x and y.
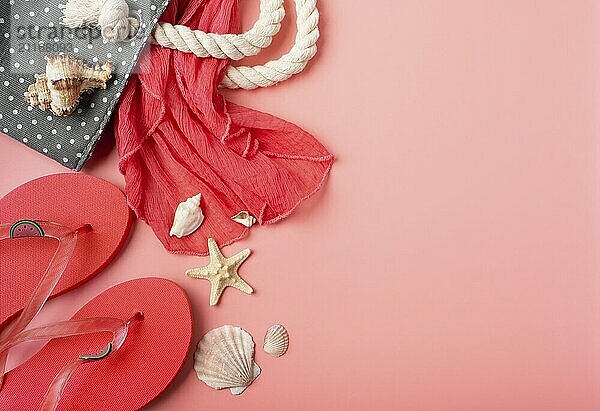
pixel 451 261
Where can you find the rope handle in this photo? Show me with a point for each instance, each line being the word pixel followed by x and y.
pixel 223 46
pixel 118 23
pixel 113 17
pixel 236 47
pixel 296 60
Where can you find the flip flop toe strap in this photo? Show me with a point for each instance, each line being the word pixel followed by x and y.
pixel 15 333
pixel 67 240
pixel 119 329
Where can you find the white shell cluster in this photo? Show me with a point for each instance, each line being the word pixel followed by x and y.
pixel 225 359
pixel 188 217
pixel 277 340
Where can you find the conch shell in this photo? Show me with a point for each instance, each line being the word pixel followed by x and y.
pixel 65 81
pixel 188 217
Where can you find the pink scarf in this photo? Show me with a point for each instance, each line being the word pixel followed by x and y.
pixel 177 137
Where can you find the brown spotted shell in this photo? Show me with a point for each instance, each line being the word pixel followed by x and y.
pixel 65 81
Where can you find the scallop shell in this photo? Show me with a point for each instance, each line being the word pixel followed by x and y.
pixel 65 81
pixel 277 340
pixel 225 359
pixel 188 217
pixel 244 218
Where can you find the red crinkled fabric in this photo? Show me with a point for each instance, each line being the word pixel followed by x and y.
pixel 177 137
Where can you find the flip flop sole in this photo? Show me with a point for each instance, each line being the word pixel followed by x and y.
pixel 127 379
pixel 71 199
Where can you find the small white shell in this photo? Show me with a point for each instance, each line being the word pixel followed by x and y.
pixel 277 340
pixel 225 359
pixel 244 218
pixel 188 217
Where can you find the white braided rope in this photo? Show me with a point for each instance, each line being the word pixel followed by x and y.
pixel 113 17
pixel 289 64
pixel 236 47
pixel 224 46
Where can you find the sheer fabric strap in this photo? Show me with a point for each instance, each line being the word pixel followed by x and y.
pixel 67 239
pixel 117 327
pixel 119 330
pixel 16 334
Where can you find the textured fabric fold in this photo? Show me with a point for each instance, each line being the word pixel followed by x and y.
pixel 177 137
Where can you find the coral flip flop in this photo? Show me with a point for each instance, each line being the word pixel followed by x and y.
pixel 72 200
pixel 140 330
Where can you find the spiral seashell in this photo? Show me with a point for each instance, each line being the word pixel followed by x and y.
pixel 277 340
pixel 65 81
pixel 225 359
pixel 38 94
pixel 188 217
pixel 244 218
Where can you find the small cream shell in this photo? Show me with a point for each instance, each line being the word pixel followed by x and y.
pixel 244 218
pixel 188 217
pixel 277 340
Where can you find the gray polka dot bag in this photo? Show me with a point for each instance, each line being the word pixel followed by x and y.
pixel 33 36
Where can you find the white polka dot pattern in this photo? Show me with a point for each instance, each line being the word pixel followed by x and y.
pixel 30 30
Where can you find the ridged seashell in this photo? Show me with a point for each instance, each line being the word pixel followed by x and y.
pixel 244 218
pixel 188 217
pixel 65 81
pixel 277 340
pixel 225 359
